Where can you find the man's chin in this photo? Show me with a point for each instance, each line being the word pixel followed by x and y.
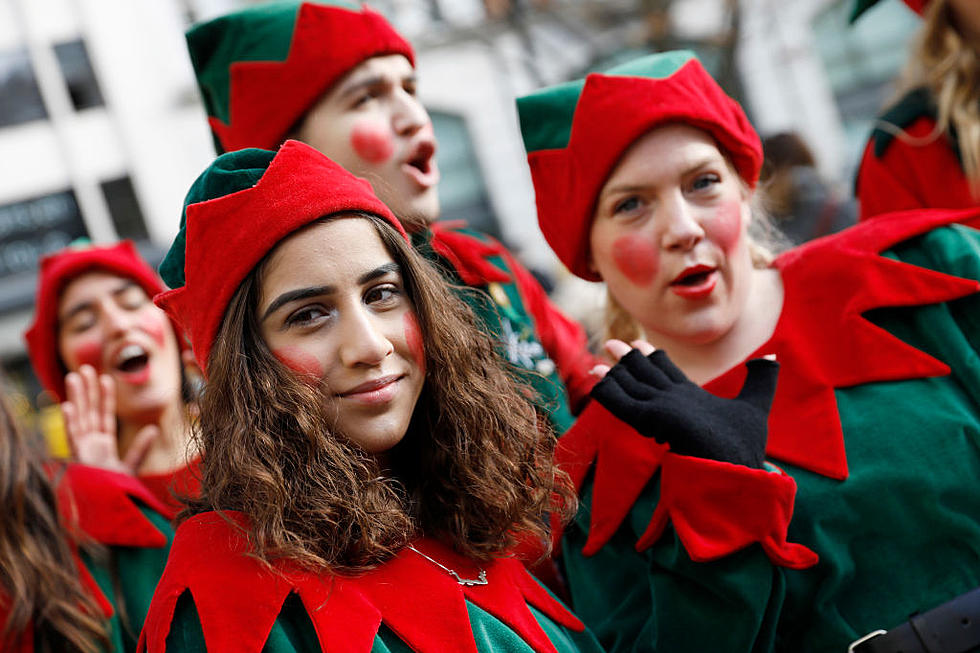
pixel 419 215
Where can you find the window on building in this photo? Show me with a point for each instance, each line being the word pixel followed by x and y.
pixel 863 61
pixel 76 67
pixel 32 228
pixel 124 208
pixel 20 99
pixel 462 191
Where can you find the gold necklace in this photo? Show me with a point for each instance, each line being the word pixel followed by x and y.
pixel 466 582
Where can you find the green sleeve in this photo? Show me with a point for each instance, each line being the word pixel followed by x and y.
pixel 661 600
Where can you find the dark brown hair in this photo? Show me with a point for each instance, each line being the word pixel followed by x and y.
pixel 473 470
pixel 40 591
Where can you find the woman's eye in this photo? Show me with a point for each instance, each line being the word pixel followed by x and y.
pixel 306 316
pixel 703 182
pixel 627 205
pixel 385 295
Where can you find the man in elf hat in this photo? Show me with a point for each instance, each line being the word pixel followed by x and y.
pixel 924 151
pixel 340 78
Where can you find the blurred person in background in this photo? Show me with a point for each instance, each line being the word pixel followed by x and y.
pixel 802 204
pixel 925 149
pixel 81 550
pixel 718 524
pixel 338 77
pixel 117 365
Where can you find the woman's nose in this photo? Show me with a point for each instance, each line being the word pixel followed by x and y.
pixel 364 341
pixel 682 229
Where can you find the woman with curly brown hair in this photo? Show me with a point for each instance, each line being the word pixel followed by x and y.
pixel 925 149
pixel 369 462
pixel 68 582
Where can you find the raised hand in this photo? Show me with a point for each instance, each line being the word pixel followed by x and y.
pixel 90 424
pixel 654 397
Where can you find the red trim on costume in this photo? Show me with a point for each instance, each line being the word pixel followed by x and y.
pixel 837 278
pixel 266 98
pixel 468 254
pixel 912 176
pixel 625 461
pixel 718 508
pixel 238 599
pixel 183 481
pixel 104 506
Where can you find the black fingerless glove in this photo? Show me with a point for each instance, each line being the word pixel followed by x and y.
pixel 654 397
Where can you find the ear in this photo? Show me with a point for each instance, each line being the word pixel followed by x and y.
pixel 590 264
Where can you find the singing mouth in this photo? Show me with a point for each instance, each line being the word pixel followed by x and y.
pixel 420 164
pixel 693 276
pixel 131 358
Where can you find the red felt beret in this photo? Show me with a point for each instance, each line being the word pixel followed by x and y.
pixel 262 68
pixel 57 270
pixel 612 110
pixel 224 238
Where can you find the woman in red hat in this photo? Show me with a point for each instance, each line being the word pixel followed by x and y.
pixel 80 551
pixel 925 148
pixel 701 531
pixel 114 361
pixel 369 460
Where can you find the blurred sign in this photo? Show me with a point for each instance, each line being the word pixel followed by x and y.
pixel 35 227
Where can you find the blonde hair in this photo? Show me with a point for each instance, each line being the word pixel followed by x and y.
pixel 948 65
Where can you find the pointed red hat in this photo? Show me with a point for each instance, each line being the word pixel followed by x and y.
pixel 262 68
pixel 57 270
pixel 235 213
pixel 575 134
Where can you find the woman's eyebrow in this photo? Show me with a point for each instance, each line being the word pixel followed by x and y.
pixel 293 295
pixel 379 271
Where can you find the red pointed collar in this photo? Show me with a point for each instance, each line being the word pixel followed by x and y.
pixel 468 254
pixel 238 599
pixel 837 278
pixel 824 342
pixel 105 506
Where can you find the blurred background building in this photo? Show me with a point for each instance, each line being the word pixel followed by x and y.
pixel 102 132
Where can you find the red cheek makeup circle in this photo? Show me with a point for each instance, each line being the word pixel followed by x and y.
pixel 89 352
pixel 726 227
pixel 413 337
pixel 371 142
pixel 636 258
pixel 301 362
pixel 153 325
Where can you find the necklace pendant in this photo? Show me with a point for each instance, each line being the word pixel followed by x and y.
pixel 468 582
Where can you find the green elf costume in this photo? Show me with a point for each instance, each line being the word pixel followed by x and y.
pixel 918 169
pixel 873 512
pixel 117 514
pixel 215 596
pixel 261 69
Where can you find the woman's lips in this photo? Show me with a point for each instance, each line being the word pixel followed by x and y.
pixel 378 391
pixel 696 282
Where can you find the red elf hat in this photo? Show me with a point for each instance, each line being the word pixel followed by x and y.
pixel 57 270
pixel 575 133
pixel 262 68
pixel 235 213
pixel 861 6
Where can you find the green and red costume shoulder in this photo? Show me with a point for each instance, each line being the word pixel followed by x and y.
pixel 917 168
pixel 907 163
pixel 114 511
pixel 875 426
pixel 229 601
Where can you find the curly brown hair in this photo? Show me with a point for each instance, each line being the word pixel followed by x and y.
pixel 40 591
pixel 474 469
